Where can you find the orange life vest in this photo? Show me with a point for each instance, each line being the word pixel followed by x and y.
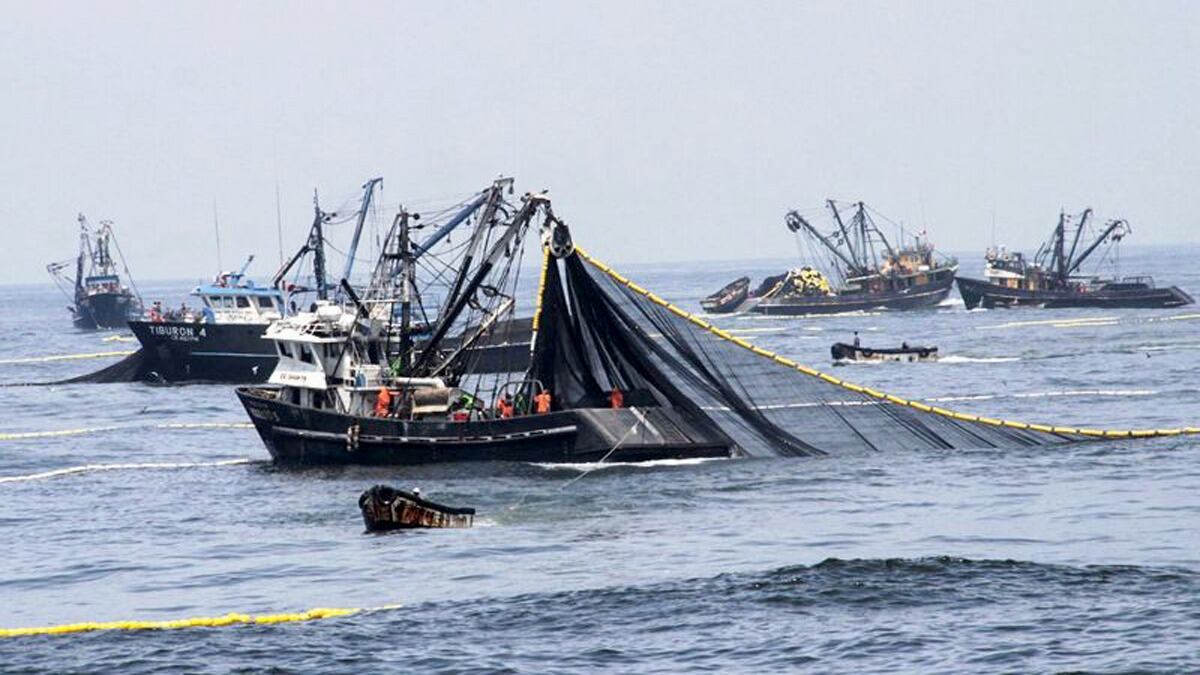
pixel 542 402
pixel 616 399
pixel 383 402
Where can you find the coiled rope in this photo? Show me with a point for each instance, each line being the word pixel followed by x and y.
pixel 859 389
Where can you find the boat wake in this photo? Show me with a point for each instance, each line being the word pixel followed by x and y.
pixel 595 466
pixel 978 359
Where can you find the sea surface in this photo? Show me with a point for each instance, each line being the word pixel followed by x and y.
pixel 1077 558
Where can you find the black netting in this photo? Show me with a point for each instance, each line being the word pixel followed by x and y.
pixel 614 336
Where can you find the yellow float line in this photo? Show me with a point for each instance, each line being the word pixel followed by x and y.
pixel 859 389
pixel 231 619
pixel 537 313
pixel 67 357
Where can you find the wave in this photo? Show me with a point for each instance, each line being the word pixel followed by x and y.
pixel 943 613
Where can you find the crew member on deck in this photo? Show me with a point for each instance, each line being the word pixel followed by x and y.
pixel 541 402
pixel 383 402
pixel 616 399
pixel 504 407
pixel 856 342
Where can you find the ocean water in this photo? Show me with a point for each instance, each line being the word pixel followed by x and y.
pixel 1082 558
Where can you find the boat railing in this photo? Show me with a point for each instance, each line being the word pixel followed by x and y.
pixel 1139 279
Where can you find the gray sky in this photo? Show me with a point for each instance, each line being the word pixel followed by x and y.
pixel 665 130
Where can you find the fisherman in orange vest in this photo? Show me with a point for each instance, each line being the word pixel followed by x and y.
pixel 541 402
pixel 504 406
pixel 616 399
pixel 383 402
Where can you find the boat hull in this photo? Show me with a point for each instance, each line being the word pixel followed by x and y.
pixel 917 297
pixel 729 299
pixel 305 436
pixel 178 351
pixel 980 293
pixel 842 352
pixel 103 310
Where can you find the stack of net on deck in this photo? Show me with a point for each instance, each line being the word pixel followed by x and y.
pixel 615 336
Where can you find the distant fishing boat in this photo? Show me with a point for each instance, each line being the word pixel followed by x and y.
pixel 873 273
pixel 100 299
pixel 842 352
pixel 1053 278
pixel 221 339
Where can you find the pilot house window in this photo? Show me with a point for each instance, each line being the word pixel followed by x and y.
pixel 242 302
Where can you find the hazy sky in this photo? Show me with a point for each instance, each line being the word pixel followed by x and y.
pixel 665 130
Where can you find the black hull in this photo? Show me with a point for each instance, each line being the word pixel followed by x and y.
pixel 728 299
pixel 304 436
pixel 841 351
pixel 980 293
pixel 916 297
pixel 103 310
pixel 177 351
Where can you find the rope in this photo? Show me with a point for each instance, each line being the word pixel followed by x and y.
pixel 230 619
pixel 620 442
pixel 859 389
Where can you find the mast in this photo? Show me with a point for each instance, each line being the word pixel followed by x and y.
pixel 795 221
pixel 858 268
pixel 407 283
pixel 1113 225
pixel 501 247
pixel 316 244
pixel 1078 233
pixel 886 244
pixel 492 199
pixel 1059 262
pixel 368 191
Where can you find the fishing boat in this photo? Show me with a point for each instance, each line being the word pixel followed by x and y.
pixel 728 299
pixel 842 353
pixel 356 384
pixel 1054 279
pixel 99 297
pixel 868 271
pixel 385 508
pixel 221 338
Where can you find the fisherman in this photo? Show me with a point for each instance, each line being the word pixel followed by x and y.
pixel 856 342
pixel 156 315
pixel 541 402
pixel 504 406
pixel 904 345
pixel 616 399
pixel 383 402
